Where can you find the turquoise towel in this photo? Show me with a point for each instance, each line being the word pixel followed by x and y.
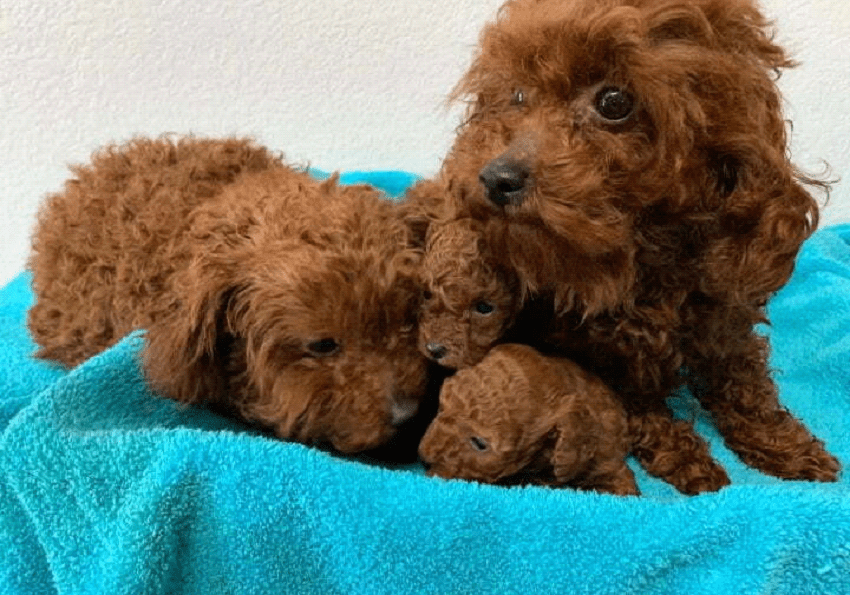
pixel 105 488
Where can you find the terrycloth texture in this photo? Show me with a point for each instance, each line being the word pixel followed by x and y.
pixel 106 489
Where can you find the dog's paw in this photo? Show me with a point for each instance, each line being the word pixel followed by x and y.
pixel 808 462
pixel 698 479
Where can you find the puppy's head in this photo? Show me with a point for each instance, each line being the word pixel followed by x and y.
pixel 593 127
pixel 491 422
pixel 470 300
pixel 312 340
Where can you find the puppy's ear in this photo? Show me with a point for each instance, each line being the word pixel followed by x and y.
pixel 185 352
pixel 574 448
pixel 424 202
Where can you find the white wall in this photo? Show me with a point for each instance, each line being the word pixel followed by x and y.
pixel 343 85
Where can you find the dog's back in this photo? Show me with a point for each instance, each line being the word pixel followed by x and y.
pixel 105 247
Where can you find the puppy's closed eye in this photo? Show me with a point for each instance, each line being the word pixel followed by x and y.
pixel 478 444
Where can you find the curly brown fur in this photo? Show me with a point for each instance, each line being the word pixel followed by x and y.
pixel 629 159
pixel 519 416
pixel 287 301
pixel 470 299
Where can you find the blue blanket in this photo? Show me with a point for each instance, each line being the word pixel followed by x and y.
pixel 105 488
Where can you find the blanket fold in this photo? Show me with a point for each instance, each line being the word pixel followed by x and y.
pixel 105 488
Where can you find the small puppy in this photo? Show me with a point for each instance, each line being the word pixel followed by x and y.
pixel 470 301
pixel 288 302
pixel 522 417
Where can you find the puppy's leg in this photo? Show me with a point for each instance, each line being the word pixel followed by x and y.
pixel 618 480
pixel 671 450
pixel 69 344
pixel 736 388
pixel 74 321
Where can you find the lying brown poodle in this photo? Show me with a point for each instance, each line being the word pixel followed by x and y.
pixel 628 159
pixel 470 300
pixel 290 302
pixel 522 417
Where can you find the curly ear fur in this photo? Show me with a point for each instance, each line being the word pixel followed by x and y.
pixel 762 210
pixel 575 445
pixel 424 203
pixel 762 225
pixel 186 352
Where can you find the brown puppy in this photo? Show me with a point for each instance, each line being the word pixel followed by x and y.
pixel 287 301
pixel 470 300
pixel 628 159
pixel 519 416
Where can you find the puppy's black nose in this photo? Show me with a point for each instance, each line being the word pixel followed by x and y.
pixel 505 180
pixel 436 350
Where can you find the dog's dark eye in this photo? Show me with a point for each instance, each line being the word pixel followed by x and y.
pixel 518 97
pixel 479 444
pixel 614 104
pixel 326 346
pixel 427 295
pixel 484 308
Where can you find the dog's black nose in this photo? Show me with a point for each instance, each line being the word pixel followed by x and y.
pixel 436 350
pixel 505 180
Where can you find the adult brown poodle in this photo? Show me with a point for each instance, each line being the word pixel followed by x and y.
pixel 630 161
pixel 289 302
pixel 521 417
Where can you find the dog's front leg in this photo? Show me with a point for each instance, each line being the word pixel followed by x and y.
pixel 735 386
pixel 671 450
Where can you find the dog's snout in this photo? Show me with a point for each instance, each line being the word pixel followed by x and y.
pixel 437 351
pixel 402 410
pixel 505 180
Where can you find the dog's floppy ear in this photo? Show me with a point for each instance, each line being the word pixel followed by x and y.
pixel 738 28
pixel 424 203
pixel 766 214
pixel 574 449
pixel 185 352
pixel 761 208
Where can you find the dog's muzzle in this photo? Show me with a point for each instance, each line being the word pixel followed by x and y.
pixel 402 409
pixel 505 180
